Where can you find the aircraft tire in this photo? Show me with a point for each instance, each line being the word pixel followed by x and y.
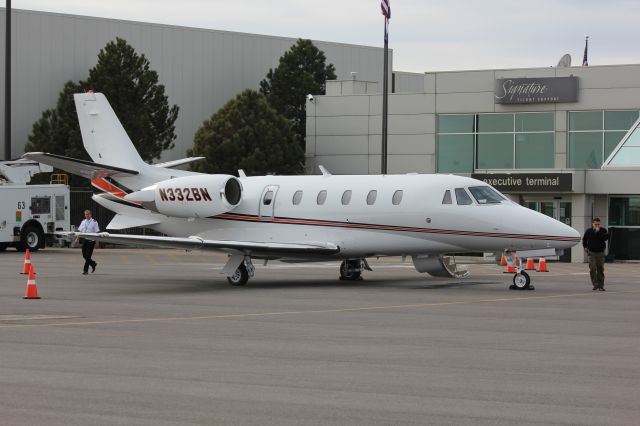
pixel 346 275
pixel 240 276
pixel 521 281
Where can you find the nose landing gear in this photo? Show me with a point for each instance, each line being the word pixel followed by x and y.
pixel 521 280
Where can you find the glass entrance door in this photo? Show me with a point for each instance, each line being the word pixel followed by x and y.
pixel 559 210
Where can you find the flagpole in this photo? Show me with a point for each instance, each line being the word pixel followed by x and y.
pixel 385 96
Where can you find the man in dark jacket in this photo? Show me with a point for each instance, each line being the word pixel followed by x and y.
pixel 594 242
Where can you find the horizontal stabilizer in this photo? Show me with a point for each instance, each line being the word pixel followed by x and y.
pixel 82 168
pixel 121 221
pixel 176 163
pixel 194 242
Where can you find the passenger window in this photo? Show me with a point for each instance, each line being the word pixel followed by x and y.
pixel 297 197
pixel 462 197
pixel 447 197
pixel 371 197
pixel 397 197
pixel 346 197
pixel 322 197
pixel 268 198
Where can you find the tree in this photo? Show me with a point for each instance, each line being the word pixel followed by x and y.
pixel 247 133
pixel 301 71
pixel 134 94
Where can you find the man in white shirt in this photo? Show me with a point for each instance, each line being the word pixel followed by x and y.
pixel 89 224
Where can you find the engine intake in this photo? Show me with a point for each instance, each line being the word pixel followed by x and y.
pixel 191 196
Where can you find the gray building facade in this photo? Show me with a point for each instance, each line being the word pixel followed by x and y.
pixel 539 135
pixel 200 69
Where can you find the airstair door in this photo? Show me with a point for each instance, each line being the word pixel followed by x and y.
pixel 268 201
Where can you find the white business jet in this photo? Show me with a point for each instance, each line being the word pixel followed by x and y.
pixel 301 218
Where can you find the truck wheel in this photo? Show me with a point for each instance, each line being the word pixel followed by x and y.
pixel 3 246
pixel 31 238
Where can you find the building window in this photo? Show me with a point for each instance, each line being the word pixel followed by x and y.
pixel 593 135
pixel 297 197
pixel 624 211
pixel 322 197
pixel 397 197
pixel 371 197
pixel 346 197
pixel 495 141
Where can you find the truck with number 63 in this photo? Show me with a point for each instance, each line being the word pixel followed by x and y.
pixel 30 215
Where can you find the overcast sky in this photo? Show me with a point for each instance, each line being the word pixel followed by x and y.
pixel 426 35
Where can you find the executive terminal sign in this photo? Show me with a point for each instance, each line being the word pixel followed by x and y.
pixel 527 182
pixel 536 90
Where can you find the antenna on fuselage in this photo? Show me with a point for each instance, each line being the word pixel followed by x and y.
pixel 324 171
pixel 241 173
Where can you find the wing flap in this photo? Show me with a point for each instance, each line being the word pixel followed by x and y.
pixel 121 221
pixel 194 243
pixel 87 169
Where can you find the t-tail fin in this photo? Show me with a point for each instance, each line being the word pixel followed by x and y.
pixel 103 136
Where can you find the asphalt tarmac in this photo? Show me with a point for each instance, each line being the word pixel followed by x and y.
pixel 158 337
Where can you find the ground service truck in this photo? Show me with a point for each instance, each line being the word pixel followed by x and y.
pixel 30 214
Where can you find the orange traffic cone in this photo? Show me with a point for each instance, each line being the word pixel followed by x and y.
pixel 27 263
pixel 510 270
pixel 32 289
pixel 530 265
pixel 503 260
pixel 542 265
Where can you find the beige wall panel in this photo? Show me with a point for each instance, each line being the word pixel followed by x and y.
pixel 621 98
pixel 332 106
pixel 409 164
pixel 415 103
pixel 411 124
pixel 411 144
pixel 604 76
pixel 342 145
pixel 345 125
pixel 462 82
pixel 464 102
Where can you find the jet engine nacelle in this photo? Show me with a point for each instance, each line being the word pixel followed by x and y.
pixel 191 196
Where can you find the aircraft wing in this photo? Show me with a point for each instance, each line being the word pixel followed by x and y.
pixel 87 169
pixel 195 243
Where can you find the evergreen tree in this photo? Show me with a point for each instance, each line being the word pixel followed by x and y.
pixel 301 71
pixel 134 94
pixel 247 133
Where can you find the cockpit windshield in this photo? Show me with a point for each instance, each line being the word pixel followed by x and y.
pixel 486 195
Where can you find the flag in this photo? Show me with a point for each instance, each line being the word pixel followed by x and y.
pixel 386 8
pixel 585 63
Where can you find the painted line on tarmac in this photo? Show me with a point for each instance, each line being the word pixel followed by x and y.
pixel 316 311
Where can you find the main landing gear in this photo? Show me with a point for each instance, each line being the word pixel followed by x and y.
pixel 521 280
pixel 351 269
pixel 243 272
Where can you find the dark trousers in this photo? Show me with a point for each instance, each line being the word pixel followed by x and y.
pixel 87 252
pixel 596 268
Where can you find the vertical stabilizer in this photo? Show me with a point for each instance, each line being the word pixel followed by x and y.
pixel 103 136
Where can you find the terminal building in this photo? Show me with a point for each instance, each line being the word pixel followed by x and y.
pixel 539 135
